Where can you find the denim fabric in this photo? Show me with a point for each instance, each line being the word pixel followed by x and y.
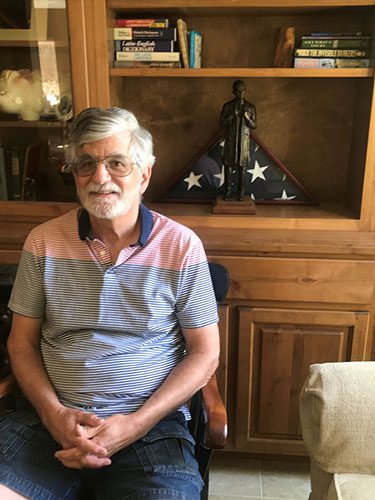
pixel 160 466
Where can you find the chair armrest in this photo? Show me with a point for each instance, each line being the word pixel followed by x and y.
pixel 7 380
pixel 216 415
pixel 8 385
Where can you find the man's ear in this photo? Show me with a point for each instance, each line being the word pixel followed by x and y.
pixel 145 179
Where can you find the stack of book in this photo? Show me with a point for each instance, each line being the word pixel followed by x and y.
pixel 333 50
pixel 145 43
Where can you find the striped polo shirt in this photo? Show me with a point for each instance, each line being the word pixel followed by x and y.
pixel 111 332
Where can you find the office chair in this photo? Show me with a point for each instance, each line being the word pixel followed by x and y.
pixel 208 424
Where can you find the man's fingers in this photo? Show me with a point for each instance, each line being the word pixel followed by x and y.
pixel 88 462
pixel 89 419
pixel 90 446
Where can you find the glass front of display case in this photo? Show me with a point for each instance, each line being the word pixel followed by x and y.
pixel 35 100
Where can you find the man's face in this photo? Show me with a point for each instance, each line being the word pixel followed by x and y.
pixel 103 195
pixel 239 91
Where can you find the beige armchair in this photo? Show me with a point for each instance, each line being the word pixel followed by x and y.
pixel 337 411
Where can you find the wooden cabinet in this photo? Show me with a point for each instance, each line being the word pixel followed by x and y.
pixel 276 347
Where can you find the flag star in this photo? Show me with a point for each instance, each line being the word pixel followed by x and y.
pixel 252 197
pixel 285 197
pixel 193 180
pixel 256 147
pixel 284 177
pixel 257 171
pixel 220 177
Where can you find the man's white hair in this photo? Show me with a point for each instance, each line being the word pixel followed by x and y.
pixel 93 124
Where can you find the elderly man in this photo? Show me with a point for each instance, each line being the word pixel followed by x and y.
pixel 114 328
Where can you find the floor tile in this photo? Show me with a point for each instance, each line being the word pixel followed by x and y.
pixel 232 477
pixel 225 497
pixel 285 480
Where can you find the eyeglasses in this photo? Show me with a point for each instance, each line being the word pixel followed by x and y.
pixel 116 164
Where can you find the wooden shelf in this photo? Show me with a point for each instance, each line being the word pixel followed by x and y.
pixel 31 43
pixel 244 72
pixel 33 124
pixel 230 7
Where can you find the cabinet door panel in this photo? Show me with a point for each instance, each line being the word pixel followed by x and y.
pixel 276 347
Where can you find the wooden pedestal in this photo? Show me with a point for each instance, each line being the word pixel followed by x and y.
pixel 246 207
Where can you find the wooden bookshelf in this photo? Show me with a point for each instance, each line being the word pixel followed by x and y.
pixel 31 124
pixel 243 72
pixel 31 43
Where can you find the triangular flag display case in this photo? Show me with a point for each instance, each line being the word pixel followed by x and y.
pixel 268 181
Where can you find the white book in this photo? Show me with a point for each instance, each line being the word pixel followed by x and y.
pixel 147 56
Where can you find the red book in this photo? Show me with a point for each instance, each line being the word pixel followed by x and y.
pixel 141 23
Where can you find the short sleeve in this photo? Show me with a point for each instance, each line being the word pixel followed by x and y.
pixel 27 297
pixel 196 304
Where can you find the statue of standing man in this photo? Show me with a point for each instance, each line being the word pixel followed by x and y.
pixel 238 116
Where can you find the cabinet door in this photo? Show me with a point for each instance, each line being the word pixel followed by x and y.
pixel 276 347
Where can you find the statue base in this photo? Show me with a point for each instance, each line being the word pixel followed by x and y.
pixel 246 207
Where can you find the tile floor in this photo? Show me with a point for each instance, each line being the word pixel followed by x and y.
pixel 236 477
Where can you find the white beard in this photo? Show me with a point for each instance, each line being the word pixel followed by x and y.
pixel 118 205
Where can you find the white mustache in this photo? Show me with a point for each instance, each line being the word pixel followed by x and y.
pixel 102 188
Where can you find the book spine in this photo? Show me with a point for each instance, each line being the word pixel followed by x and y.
pixel 183 42
pixel 147 64
pixel 3 177
pixel 305 62
pixel 144 46
pixel 147 56
pixel 195 49
pixel 335 43
pixel 351 34
pixel 144 33
pixel 141 23
pixel 16 173
pixel 192 50
pixel 342 53
pixel 8 170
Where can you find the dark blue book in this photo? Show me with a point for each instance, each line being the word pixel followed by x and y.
pixel 144 45
pixel 336 35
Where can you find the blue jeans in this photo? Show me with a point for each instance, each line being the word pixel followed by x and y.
pixel 160 466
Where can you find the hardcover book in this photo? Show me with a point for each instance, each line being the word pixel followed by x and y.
pixel 341 53
pixel 183 42
pixel 144 33
pixel 147 56
pixel 335 43
pixel 144 46
pixel 3 177
pixel 195 49
pixel 351 34
pixel 322 62
pixel 147 64
pixel 16 156
pixel 141 23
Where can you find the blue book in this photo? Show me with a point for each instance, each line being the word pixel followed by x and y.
pixel 195 49
pixel 144 45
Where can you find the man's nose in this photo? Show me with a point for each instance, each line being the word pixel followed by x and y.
pixel 101 174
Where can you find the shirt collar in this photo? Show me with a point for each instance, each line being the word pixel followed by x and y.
pixel 84 225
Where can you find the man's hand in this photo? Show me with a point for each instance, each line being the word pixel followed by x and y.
pixel 62 423
pixel 113 434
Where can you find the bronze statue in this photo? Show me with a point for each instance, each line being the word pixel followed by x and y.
pixel 239 117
